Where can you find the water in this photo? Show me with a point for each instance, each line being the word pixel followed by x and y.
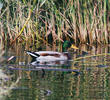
pixel 84 77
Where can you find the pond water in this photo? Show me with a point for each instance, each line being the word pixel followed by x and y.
pixel 85 77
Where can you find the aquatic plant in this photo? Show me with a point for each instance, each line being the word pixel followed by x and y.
pixel 34 21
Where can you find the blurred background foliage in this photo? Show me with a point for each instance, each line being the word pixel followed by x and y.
pixel 79 21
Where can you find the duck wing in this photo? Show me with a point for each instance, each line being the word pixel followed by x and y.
pixel 49 53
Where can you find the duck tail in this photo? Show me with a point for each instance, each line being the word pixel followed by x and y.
pixel 32 54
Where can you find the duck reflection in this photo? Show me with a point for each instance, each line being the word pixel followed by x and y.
pixel 50 63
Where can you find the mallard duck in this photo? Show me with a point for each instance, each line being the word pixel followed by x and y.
pixel 49 56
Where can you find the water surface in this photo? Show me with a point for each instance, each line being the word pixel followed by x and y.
pixel 84 77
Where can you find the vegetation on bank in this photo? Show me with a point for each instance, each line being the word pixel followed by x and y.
pixel 80 21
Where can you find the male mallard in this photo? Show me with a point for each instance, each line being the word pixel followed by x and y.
pixel 46 56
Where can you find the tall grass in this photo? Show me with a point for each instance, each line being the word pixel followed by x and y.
pixel 34 21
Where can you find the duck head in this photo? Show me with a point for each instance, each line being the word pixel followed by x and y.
pixel 67 45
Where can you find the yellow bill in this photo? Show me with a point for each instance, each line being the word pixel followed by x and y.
pixel 74 47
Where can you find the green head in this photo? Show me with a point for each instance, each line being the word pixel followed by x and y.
pixel 66 45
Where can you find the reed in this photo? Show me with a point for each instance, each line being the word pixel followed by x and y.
pixel 80 21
